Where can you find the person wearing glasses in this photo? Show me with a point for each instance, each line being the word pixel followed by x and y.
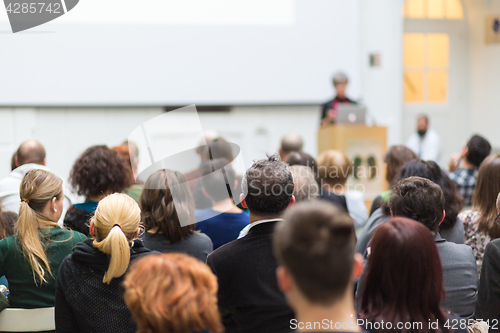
pixel 479 222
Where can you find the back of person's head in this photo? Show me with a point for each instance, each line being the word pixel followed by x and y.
pixel 132 147
pixel 334 167
pixel 301 158
pixel 485 194
pixel 419 199
pixel 291 142
pixel 404 279
pixel 116 224
pixel 7 222
pixel 395 158
pixel 268 187
pixel 315 244
pixel 478 148
pixel 305 186
pixel 13 161
pixel 127 155
pixel 206 138
pixel 172 292
pixel 214 174
pixel 98 171
pixel 160 213
pixel 217 148
pixel 430 170
pixel 38 187
pixel 30 151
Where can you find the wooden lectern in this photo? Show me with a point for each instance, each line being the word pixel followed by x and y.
pixel 365 146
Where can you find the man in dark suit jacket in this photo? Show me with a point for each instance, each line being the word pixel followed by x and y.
pixel 422 200
pixel 249 298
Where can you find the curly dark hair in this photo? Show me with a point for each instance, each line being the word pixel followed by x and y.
pixel 454 202
pixel 268 186
pixel 158 210
pixel 99 170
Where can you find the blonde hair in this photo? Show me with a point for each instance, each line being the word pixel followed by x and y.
pixel 334 167
pixel 172 292
pixel 37 188
pixel 116 221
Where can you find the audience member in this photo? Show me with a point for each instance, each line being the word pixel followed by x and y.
pixel 217 148
pixel 314 247
pixel 334 168
pixel 394 159
pixel 179 296
pixel 465 177
pixel 29 155
pixel 451 229
pixel 290 143
pixel 7 222
pixel 89 296
pixel 127 154
pixel 193 175
pixel 249 298
pixel 30 258
pixel 303 159
pixel 330 109
pixel 169 226
pixel 404 281
pixel 223 221
pixel 305 187
pixel 422 200
pixel 98 172
pixel 479 222
pixel 425 142
pixel 488 294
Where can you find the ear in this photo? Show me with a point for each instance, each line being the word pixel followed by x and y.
pixel 136 235
pixel 392 215
pixel 44 162
pixel 465 151
pixel 53 204
pixel 284 279
pixel 442 217
pixel 92 228
pixel 242 201
pixel 358 266
pixel 16 163
pixel 292 201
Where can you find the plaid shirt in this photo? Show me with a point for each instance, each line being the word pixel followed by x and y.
pixel 465 179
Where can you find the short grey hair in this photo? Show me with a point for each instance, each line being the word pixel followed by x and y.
pixel 305 186
pixel 291 142
pixel 340 78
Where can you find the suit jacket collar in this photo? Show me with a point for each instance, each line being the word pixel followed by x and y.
pixel 263 227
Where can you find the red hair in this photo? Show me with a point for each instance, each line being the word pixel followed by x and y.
pixel 172 292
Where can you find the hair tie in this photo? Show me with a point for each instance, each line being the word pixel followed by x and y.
pixel 116 225
pixel 25 200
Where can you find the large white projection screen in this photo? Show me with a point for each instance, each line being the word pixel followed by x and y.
pixel 171 52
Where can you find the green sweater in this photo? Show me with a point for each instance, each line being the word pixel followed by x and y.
pixel 24 292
